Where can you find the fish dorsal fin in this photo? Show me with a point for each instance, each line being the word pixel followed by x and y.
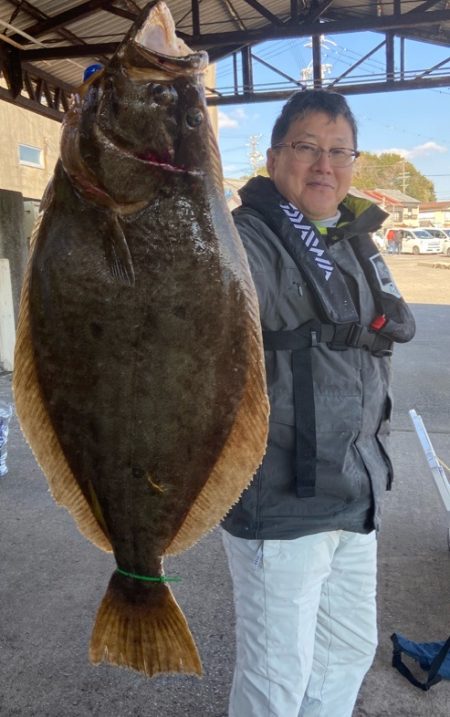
pixel 216 162
pixel 37 427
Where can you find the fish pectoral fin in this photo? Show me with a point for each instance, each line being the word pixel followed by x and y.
pixel 156 486
pixel 118 253
pixel 96 508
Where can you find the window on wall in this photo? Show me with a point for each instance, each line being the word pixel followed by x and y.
pixel 31 156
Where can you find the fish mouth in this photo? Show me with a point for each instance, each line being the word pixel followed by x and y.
pixel 147 158
pixel 155 161
pixel 153 50
pixel 157 34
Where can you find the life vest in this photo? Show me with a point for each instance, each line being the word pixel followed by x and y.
pixel 339 325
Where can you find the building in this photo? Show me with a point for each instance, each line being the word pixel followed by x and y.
pixel 434 214
pixel 30 148
pixel 403 209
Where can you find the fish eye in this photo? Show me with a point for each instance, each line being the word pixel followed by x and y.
pixel 194 117
pixel 163 94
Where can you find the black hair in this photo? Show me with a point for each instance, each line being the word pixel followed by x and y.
pixel 305 101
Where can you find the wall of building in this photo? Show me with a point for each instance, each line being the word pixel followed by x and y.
pixel 13 241
pixel 13 260
pixel 22 127
pixel 435 217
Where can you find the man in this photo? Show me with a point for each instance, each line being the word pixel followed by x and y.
pixel 301 542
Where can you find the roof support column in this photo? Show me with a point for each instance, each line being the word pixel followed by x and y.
pixel 390 70
pixel 317 61
pixel 402 58
pixel 247 71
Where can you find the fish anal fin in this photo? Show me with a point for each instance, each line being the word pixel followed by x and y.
pixel 118 253
pixel 148 635
pixel 38 429
pixel 240 457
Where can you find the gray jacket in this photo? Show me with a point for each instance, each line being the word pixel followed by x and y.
pixel 351 398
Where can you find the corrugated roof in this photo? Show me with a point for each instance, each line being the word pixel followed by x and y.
pixel 433 206
pixel 219 26
pixel 398 197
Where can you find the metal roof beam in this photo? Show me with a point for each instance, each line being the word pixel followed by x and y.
pixel 255 58
pixel 435 67
pixel 241 38
pixel 295 11
pixel 31 104
pixel 356 89
pixel 39 15
pixel 317 10
pixel 390 64
pixel 50 79
pixel 264 12
pixel 57 21
pixel 219 53
pixel 55 53
pixel 11 67
pixel 28 8
pixel 356 64
pixel 329 26
pixel 422 8
pixel 317 62
pixel 120 12
pixel 247 71
pixel 195 17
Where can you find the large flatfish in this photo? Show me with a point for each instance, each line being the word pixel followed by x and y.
pixel 139 379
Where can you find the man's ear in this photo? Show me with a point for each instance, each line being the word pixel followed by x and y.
pixel 270 161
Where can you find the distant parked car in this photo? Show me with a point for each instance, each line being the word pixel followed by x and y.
pixel 445 246
pixel 437 232
pixel 418 241
pixel 379 240
pixel 444 236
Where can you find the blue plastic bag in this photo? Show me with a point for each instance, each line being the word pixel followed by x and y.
pixel 5 416
pixel 433 658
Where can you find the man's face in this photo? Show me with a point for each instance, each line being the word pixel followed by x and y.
pixel 318 188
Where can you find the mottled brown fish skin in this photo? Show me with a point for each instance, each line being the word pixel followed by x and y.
pixel 142 382
pixel 140 335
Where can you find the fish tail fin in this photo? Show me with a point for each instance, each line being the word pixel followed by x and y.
pixel 141 626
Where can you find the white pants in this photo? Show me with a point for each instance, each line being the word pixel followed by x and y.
pixel 306 630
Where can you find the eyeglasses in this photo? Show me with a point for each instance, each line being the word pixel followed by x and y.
pixel 310 153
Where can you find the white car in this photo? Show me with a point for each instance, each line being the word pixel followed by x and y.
pixel 446 243
pixel 419 241
pixel 444 235
pixel 379 240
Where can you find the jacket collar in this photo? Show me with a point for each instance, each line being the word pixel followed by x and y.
pixel 358 216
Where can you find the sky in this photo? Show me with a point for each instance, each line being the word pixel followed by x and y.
pixel 412 123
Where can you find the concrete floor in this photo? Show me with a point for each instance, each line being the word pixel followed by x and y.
pixel 53 579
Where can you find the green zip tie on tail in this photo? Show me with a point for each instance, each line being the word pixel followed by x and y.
pixel 147 578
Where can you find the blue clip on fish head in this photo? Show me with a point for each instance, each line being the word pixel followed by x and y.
pixel 91 70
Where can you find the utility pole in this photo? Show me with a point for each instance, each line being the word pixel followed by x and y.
pixel 307 73
pixel 255 156
pixel 403 177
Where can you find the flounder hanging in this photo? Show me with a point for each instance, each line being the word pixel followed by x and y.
pixel 139 379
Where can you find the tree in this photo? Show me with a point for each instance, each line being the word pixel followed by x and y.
pixel 392 171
